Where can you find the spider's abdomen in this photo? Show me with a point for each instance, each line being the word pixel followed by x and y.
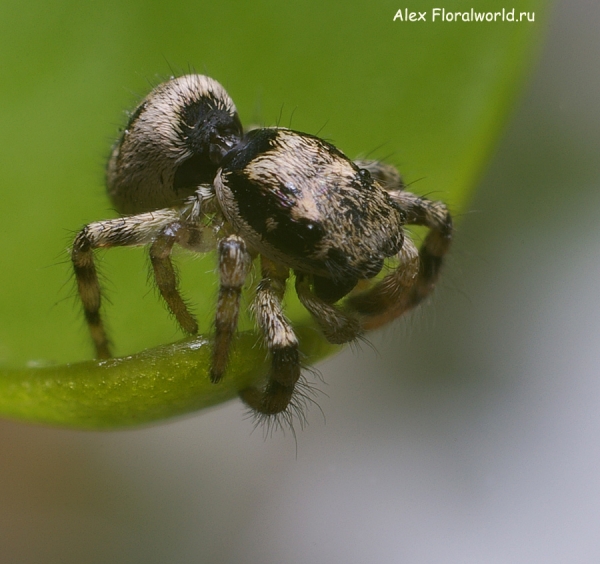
pixel 300 201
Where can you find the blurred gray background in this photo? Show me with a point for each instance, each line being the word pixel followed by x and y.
pixel 469 433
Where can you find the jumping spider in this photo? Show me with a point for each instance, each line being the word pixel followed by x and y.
pixel 184 172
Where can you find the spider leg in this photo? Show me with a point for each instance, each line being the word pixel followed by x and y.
pixel 415 277
pixel 166 277
pixel 123 232
pixel 435 215
pixel 388 298
pixel 386 174
pixel 281 342
pixel 337 326
pixel 234 265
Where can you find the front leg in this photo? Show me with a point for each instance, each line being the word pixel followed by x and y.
pixel 416 274
pixel 435 216
pixel 337 326
pixel 392 295
pixel 281 342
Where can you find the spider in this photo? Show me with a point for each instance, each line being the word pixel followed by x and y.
pixel 184 172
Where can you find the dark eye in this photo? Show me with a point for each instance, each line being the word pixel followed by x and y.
pixel 365 175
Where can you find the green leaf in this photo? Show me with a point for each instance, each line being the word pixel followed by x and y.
pixel 155 384
pixel 429 97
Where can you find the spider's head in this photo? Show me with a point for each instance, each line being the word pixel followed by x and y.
pixel 210 125
pixel 174 142
pixel 207 126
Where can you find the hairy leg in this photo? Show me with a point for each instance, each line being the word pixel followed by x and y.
pixel 386 174
pixel 337 326
pixel 123 232
pixel 416 275
pixel 166 277
pixel 435 216
pixel 281 342
pixel 234 265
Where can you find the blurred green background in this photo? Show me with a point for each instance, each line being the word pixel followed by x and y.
pixel 429 97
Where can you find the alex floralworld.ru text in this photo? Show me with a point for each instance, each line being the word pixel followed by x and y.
pixel 441 14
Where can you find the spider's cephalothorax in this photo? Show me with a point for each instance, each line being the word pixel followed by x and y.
pixel 191 177
pixel 299 201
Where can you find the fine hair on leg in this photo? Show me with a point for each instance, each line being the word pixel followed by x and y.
pixel 281 342
pixel 234 263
